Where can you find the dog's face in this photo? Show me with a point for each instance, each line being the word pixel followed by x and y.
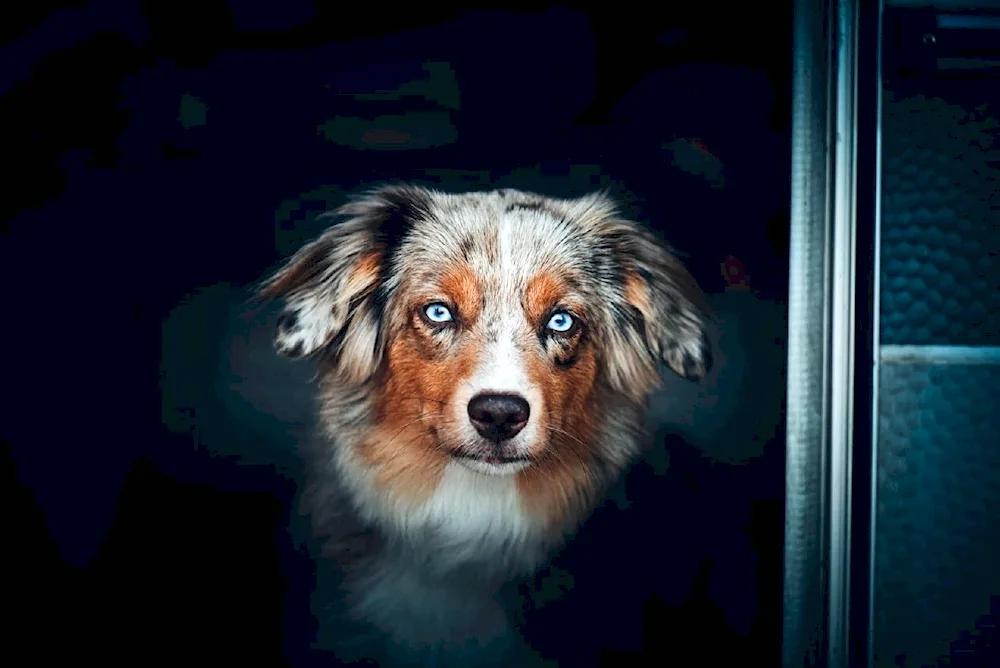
pixel 492 329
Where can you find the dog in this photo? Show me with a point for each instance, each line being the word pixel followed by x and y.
pixel 484 363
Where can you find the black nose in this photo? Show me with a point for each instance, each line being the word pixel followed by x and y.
pixel 498 417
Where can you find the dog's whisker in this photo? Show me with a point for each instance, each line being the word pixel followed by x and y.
pixel 551 454
pixel 565 433
pixel 420 417
pixel 427 399
pixel 402 446
pixel 398 451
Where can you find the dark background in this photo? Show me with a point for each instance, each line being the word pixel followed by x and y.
pixel 157 152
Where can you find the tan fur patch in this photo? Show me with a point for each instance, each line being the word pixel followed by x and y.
pixel 409 446
pixel 558 484
pixel 405 460
pixel 637 294
pixel 461 285
pixel 543 291
pixel 364 273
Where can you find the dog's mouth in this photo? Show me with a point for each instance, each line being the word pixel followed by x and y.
pixel 493 464
pixel 490 458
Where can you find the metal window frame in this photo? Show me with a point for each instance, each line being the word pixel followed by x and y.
pixel 832 333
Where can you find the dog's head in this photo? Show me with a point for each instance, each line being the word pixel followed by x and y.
pixel 490 328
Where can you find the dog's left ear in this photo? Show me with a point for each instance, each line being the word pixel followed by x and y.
pixel 335 287
pixel 666 304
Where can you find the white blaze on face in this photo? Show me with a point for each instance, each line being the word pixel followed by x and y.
pixel 501 367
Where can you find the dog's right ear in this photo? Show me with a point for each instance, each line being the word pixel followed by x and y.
pixel 334 287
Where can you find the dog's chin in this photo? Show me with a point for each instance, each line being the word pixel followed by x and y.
pixel 494 466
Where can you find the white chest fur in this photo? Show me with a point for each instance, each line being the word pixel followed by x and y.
pixel 436 578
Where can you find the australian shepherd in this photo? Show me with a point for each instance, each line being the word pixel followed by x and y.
pixel 485 360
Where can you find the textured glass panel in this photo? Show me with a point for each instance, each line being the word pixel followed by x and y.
pixel 940 268
pixel 937 557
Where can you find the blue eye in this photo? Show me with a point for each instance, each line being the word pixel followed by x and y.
pixel 560 322
pixel 438 313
